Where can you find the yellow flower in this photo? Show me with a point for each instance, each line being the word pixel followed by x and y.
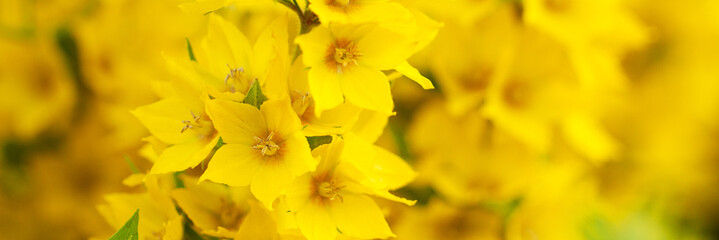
pixel 37 90
pixel 439 220
pixel 333 121
pixel 265 148
pixel 227 64
pixel 346 60
pixel 182 123
pixel 216 209
pixel 466 59
pixel 333 199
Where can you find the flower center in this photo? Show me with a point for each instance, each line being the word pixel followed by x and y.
pixel 341 54
pixel 344 57
pixel 237 80
pixel 231 214
pixel 516 94
pixel 200 125
pixel 191 124
pixel 266 146
pixel 330 190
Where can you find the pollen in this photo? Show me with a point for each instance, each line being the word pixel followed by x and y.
pixel 342 54
pixel 266 146
pixel 191 124
pixel 237 80
pixel 330 190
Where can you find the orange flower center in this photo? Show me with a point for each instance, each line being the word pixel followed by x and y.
pixel 266 146
pixel 330 190
pixel 341 54
pixel 516 94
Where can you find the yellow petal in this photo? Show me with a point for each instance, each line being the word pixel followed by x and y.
pixel 315 223
pixel 233 164
pixel 199 209
pixel 134 180
pixel 183 156
pixel 298 193
pixel 272 60
pixel 383 49
pixel 333 121
pixel 359 216
pixel 314 45
pixel 587 136
pixel 220 232
pixel 389 196
pixel 358 152
pixel 367 88
pixel 370 125
pixel 236 122
pixel 269 182
pixel 325 88
pixel 281 118
pixel 164 120
pixel 391 169
pixel 258 224
pixel 224 45
pixel 199 7
pixel 173 229
pixel 297 155
pixel 412 73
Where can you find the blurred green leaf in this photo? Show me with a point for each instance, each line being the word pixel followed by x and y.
pixel 131 164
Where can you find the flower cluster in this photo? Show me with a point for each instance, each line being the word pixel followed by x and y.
pixel 359 119
pixel 287 131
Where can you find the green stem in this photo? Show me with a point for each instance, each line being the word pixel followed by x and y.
pixel 308 20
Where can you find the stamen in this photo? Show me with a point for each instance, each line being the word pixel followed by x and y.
pixel 341 54
pixel 191 124
pixel 267 146
pixel 236 74
pixel 331 190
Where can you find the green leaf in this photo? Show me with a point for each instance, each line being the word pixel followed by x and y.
pixel 189 50
pixel 316 141
pixel 131 164
pixel 254 95
pixel 129 230
pixel 217 146
pixel 178 181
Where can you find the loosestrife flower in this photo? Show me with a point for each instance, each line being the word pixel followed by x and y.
pixel 332 198
pixel 346 63
pixel 264 148
pixel 182 123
